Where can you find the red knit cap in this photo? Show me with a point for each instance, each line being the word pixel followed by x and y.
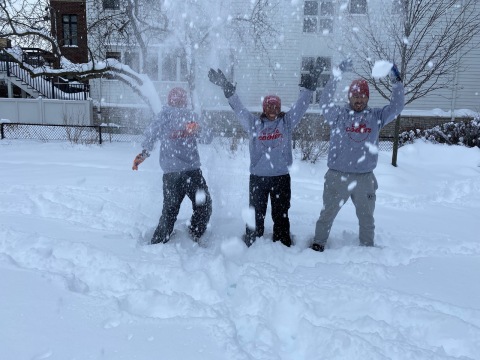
pixel 359 87
pixel 271 100
pixel 177 97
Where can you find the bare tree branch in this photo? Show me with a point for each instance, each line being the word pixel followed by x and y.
pixel 184 27
pixel 427 39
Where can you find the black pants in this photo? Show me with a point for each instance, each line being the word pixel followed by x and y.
pixel 176 186
pixel 279 190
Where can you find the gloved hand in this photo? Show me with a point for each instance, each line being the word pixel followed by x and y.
pixel 346 65
pixel 394 75
pixel 192 127
pixel 139 159
pixel 309 81
pixel 219 79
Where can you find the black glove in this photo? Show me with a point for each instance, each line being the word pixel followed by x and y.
pixel 219 79
pixel 346 65
pixel 394 75
pixel 309 81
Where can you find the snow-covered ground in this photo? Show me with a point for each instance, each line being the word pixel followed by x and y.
pixel 78 281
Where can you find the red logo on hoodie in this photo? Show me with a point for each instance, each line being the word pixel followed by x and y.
pixel 270 136
pixel 358 132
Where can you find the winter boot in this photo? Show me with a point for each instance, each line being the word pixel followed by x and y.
pixel 317 247
pixel 193 234
pixel 249 239
pixel 285 241
pixel 157 238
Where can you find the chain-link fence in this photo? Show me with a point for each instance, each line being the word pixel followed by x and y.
pixel 385 144
pixel 104 134
pixel 73 133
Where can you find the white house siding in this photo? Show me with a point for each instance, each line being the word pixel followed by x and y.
pixel 468 95
pixel 47 111
pixel 113 92
pixel 255 79
pixel 108 92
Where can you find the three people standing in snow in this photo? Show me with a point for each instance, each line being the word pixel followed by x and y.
pixel 352 156
pixel 178 129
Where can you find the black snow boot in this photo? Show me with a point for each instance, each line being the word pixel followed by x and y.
pixel 317 247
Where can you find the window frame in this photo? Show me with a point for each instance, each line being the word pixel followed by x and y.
pixel 321 20
pixel 326 17
pixel 306 63
pixel 117 55
pixel 363 6
pixel 180 62
pixel 70 29
pixel 151 66
pixel 132 59
pixel 111 4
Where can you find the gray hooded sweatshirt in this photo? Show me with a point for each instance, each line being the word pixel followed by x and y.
pixel 270 141
pixel 354 135
pixel 178 146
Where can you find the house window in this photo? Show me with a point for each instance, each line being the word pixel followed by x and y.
pixel 132 59
pixel 111 4
pixel 307 64
pixel 318 16
pixel 151 66
pixel 310 21
pixel 326 17
pixel 70 28
pixel 113 55
pixel 174 67
pixel 358 7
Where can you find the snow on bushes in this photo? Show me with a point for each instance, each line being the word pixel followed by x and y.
pixel 466 133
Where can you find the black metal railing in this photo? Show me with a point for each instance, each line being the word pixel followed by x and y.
pixel 49 87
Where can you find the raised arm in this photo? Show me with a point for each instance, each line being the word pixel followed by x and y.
pixel 297 111
pixel 397 100
pixel 328 93
pixel 327 97
pixel 309 84
pixel 245 117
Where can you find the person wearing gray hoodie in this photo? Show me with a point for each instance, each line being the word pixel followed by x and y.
pixel 178 129
pixel 353 153
pixel 270 145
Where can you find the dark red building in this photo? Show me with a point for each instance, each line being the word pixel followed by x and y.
pixel 69 25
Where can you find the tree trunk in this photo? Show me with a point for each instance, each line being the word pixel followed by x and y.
pixel 395 140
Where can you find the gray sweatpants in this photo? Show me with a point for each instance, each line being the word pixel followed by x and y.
pixel 338 188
